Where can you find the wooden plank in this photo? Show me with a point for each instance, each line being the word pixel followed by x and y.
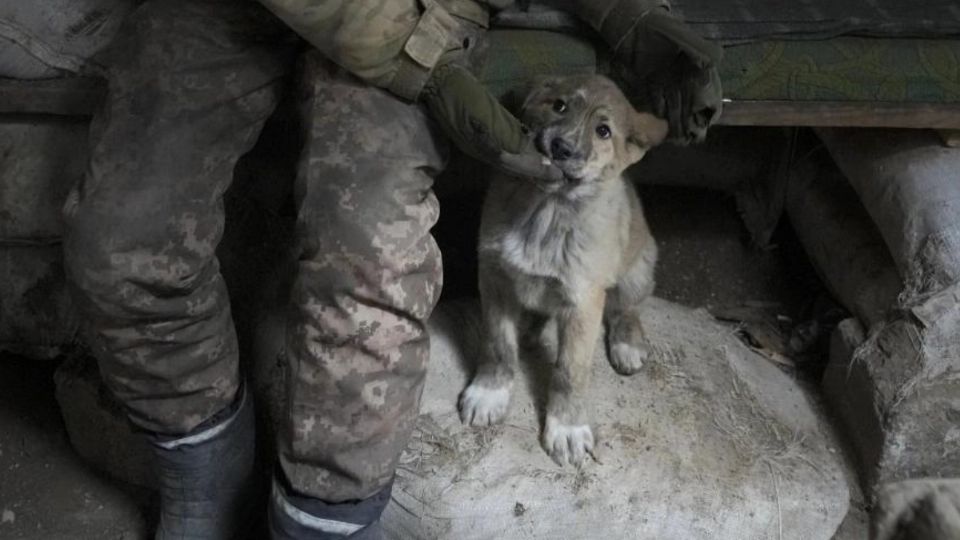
pixel 81 95
pixel 841 114
pixel 76 96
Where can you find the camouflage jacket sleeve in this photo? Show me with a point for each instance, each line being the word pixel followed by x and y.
pixel 393 44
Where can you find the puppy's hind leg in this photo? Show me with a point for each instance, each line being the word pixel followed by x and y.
pixel 486 399
pixel 541 334
pixel 627 345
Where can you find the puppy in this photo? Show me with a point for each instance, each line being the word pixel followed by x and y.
pixel 570 256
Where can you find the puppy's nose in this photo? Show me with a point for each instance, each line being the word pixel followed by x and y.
pixel 560 149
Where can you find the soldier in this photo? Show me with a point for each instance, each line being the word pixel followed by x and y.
pixel 191 83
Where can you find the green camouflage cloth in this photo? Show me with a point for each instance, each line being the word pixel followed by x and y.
pixel 845 69
pixel 191 84
pixel 744 21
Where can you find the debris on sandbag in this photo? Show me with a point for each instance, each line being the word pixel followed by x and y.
pixel 762 327
pixel 709 440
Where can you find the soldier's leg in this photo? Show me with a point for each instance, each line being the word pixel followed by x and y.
pixel 190 85
pixel 369 276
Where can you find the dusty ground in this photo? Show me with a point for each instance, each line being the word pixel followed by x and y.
pixel 47 493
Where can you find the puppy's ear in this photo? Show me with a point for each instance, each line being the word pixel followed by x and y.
pixel 538 89
pixel 646 131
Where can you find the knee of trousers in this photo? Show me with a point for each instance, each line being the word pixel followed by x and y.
pixel 160 330
pixel 118 259
pixel 368 234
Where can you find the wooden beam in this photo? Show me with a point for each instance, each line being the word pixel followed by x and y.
pixel 75 96
pixel 80 96
pixel 841 114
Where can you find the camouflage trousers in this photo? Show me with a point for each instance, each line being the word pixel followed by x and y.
pixel 191 83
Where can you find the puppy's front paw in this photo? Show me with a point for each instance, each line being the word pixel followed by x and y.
pixel 483 405
pixel 567 443
pixel 628 358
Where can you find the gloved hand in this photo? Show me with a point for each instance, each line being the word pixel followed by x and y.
pixel 688 97
pixel 480 126
pixel 665 55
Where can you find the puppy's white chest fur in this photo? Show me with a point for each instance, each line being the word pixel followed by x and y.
pixel 555 246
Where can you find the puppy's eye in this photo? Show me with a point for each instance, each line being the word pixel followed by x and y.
pixel 559 106
pixel 603 131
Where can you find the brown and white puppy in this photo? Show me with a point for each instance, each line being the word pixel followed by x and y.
pixel 571 255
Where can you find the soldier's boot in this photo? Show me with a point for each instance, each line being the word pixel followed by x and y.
pixel 206 478
pixel 293 517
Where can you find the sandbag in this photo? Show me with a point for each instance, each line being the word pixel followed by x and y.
pixel 905 376
pixel 709 441
pixel 921 509
pixel 842 242
pixel 37 318
pixel 48 38
pixel 907 180
pixel 40 159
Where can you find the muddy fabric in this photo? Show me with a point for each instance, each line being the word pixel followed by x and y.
pixel 186 99
pixel 369 275
pixel 190 86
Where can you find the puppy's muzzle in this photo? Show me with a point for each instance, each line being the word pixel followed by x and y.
pixel 562 150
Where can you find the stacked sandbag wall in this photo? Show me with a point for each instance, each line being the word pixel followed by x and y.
pixel 41 157
pixel 882 227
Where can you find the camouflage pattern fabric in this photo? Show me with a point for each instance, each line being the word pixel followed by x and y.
pixel 191 84
pixel 845 69
pixel 369 276
pixel 742 21
pixel 186 98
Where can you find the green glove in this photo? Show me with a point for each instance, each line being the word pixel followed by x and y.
pixel 689 97
pixel 664 55
pixel 480 126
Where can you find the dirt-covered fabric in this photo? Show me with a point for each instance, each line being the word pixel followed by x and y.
pixel 191 84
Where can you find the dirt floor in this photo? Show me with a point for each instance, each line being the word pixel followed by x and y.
pixel 47 493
